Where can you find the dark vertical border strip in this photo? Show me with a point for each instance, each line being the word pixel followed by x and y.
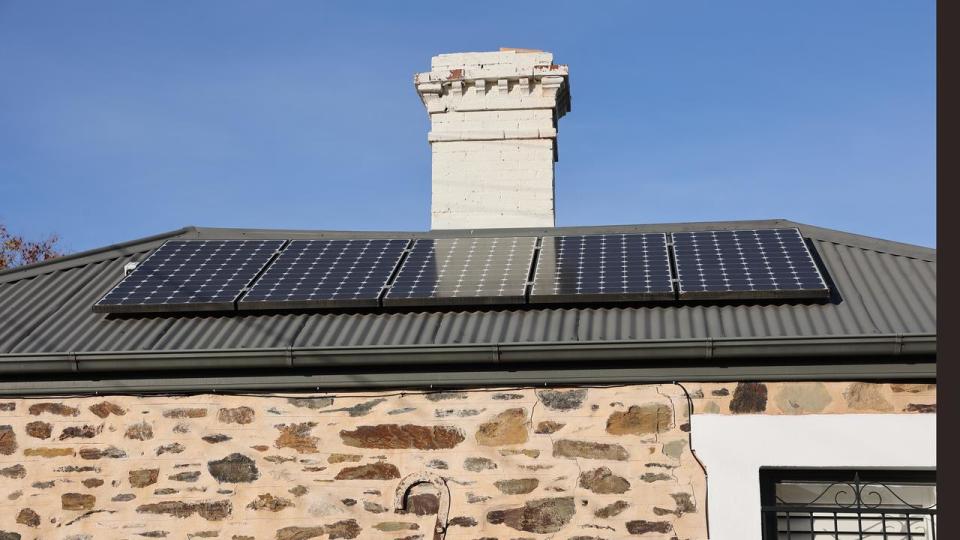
pixel 948 88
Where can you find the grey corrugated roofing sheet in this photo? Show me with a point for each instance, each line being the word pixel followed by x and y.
pixel 882 288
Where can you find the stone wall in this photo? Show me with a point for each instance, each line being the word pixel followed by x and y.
pixel 598 463
pixel 812 398
pixel 516 463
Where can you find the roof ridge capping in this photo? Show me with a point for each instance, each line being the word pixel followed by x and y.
pixel 81 258
pixel 881 245
pixel 225 233
pixel 811 231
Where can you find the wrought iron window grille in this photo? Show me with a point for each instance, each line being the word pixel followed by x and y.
pixel 821 504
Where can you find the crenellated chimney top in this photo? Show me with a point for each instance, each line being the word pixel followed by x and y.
pixel 493 136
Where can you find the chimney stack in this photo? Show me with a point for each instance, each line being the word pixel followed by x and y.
pixel 493 136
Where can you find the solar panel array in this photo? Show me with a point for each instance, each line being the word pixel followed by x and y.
pixel 199 275
pixel 603 267
pixel 205 275
pixel 326 273
pixel 761 263
pixel 464 270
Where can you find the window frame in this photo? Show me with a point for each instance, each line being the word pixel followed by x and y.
pixel 770 477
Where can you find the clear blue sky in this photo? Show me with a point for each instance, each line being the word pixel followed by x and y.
pixel 125 119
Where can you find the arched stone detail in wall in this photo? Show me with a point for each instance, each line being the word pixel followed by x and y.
pixel 443 493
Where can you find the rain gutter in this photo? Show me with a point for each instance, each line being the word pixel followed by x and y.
pixel 882 356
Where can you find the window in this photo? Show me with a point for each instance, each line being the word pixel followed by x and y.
pixel 845 504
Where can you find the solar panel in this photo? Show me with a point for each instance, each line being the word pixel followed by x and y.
pixel 326 273
pixel 195 275
pixel 761 263
pixel 603 267
pixel 464 271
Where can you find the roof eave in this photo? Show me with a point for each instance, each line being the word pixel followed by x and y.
pixel 887 356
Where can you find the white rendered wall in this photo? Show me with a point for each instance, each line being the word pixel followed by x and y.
pixel 493 131
pixel 734 448
pixel 492 184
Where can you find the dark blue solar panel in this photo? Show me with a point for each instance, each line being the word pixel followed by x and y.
pixel 603 267
pixel 761 263
pixel 196 275
pixel 326 273
pixel 464 271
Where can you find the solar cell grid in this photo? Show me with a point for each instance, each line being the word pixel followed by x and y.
pixel 762 263
pixel 606 267
pixel 206 275
pixel 464 271
pixel 327 273
pixel 196 275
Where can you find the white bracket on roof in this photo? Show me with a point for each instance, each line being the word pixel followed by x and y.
pixel 129 267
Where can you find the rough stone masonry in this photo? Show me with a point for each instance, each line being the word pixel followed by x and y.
pixel 564 463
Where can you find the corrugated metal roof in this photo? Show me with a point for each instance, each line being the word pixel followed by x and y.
pixel 881 288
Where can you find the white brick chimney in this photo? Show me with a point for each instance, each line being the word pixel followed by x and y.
pixel 493 136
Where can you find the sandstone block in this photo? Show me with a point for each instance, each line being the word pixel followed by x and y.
pixel 392 436
pixel 508 427
pixel 589 450
pixel 641 420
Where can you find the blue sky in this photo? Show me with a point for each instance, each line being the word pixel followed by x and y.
pixel 125 119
